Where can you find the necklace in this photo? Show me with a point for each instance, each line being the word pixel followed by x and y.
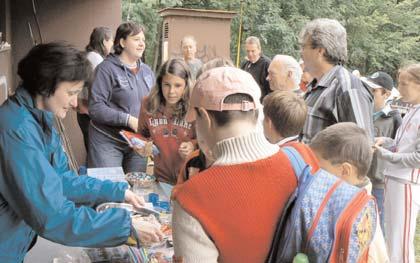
pixel 131 66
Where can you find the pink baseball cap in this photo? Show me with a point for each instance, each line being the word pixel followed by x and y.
pixel 214 85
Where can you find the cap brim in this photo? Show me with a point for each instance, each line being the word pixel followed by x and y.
pixel 370 83
pixel 191 114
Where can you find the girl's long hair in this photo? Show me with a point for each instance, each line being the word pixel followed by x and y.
pixel 156 100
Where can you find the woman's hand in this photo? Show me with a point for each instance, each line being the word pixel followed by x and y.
pixel 148 232
pixel 185 149
pixel 379 141
pixel 133 123
pixel 135 200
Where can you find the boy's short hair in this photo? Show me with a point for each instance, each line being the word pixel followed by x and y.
pixel 228 94
pixel 344 142
pixel 224 117
pixel 286 110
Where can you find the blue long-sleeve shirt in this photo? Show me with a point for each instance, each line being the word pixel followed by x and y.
pixel 39 193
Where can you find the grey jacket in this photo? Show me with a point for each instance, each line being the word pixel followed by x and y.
pixel 117 93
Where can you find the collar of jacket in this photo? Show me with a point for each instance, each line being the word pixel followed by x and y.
pixel 44 118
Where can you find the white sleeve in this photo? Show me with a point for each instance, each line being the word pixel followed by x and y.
pixel 403 160
pixel 94 58
pixel 190 240
pixel 377 250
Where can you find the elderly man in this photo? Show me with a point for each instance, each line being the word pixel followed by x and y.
pixel 189 49
pixel 257 64
pixel 335 95
pixel 284 73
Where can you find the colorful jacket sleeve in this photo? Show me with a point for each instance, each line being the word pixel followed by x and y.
pixel 34 191
pixel 99 100
pixel 85 189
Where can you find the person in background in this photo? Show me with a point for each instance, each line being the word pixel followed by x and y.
pixel 284 116
pixel 100 45
pixel 386 122
pixel 257 64
pixel 344 149
pixel 335 95
pixel 121 82
pixel 402 175
pixel 284 73
pixel 189 51
pixel 306 77
pixel 39 193
pixel 162 119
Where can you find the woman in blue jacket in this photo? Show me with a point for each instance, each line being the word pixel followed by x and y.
pixel 39 194
pixel 121 82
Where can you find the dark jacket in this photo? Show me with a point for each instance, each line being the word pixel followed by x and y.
pixel 259 70
pixel 117 93
pixel 385 124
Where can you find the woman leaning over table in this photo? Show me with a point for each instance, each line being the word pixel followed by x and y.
pixel 39 193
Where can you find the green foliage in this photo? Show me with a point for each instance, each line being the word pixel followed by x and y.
pixel 381 34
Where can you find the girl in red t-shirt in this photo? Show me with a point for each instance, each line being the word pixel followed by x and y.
pixel 162 120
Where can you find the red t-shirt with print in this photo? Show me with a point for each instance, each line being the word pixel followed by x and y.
pixel 167 132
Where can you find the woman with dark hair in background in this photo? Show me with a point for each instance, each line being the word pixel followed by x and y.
pixel 99 47
pixel 121 82
pixel 39 193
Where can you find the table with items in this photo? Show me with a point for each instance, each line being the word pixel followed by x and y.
pixel 157 209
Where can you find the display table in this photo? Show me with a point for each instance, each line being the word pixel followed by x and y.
pixel 47 251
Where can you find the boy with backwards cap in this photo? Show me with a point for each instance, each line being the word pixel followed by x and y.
pixel 386 122
pixel 228 213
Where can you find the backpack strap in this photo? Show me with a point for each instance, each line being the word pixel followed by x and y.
pixel 298 163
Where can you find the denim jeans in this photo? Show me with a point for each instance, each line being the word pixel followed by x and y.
pixel 378 193
pixel 107 152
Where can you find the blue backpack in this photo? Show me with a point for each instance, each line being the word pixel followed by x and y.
pixel 325 218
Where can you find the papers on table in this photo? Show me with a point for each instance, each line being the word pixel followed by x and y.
pixel 115 174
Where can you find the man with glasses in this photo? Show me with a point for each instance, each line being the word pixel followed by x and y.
pixel 335 95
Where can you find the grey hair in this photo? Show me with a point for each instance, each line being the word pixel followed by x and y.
pixel 292 65
pixel 328 34
pixel 253 40
pixel 188 37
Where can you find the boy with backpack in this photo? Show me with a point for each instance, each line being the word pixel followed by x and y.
pixel 284 117
pixel 344 150
pixel 386 122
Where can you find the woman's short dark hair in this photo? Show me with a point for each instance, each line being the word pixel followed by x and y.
pixel 123 31
pixel 46 65
pixel 97 37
